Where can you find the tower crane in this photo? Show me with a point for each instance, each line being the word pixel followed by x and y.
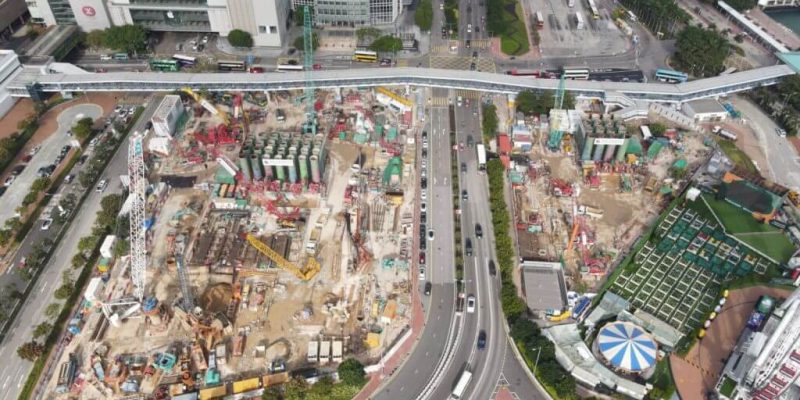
pixel 308 62
pixel 309 271
pixel 138 187
pixel 556 133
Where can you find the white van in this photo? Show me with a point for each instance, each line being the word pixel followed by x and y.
pixel 105 57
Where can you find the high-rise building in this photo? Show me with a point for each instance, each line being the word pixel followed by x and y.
pixel 13 14
pixel 352 13
pixel 266 20
pixel 778 364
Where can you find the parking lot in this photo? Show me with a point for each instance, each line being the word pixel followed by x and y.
pixel 187 43
pixel 678 277
pixel 560 36
pixel 49 150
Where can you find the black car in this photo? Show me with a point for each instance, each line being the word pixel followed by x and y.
pixel 423 217
pixel 478 230
pixel 18 169
pixel 428 288
pixel 83 159
pixel 423 183
pixel 423 244
pixel 468 43
pixel 492 268
pixel 473 67
pixel 474 54
pixel 470 141
pixel 463 168
pixel 148 125
pixel 482 340
pixel 464 195
pixel 468 247
pixel 3 190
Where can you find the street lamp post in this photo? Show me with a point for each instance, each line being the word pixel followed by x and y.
pixel 536 363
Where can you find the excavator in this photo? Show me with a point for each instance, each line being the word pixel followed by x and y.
pixel 207 105
pixel 305 274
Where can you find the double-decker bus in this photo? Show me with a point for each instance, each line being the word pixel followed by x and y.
pixel 539 20
pixel 593 9
pixel 164 65
pixel 231 65
pixel 365 56
pixel 670 76
pixel 185 61
pixel 576 73
pixel 289 67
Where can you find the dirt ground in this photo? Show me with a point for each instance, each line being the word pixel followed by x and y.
pixel 748 141
pixel 698 372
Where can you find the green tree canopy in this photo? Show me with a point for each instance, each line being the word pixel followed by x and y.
pixel 240 38
pixel 701 52
pixel 95 39
pixel 423 15
pixel 386 43
pixel 52 310
pixel 83 128
pixel 351 372
pixel 489 122
pixel 30 351
pixel 42 329
pixel 658 129
pixel 63 292
pixel 131 39
pixel 40 184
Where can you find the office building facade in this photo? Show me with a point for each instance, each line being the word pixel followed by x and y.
pixel 266 20
pixel 352 13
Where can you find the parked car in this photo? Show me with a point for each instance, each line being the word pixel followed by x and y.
pixel 9 180
pixel 46 224
pixel 256 70
pixel 18 169
pixel 428 288
pixel 482 340
pixel 471 304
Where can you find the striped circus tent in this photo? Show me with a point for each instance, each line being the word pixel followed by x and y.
pixel 626 346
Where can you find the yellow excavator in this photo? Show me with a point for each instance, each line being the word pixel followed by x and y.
pixel 310 271
pixel 207 104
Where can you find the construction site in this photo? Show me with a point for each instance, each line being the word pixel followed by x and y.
pixel 590 184
pixel 270 233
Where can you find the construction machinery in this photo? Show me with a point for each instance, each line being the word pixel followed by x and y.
pixel 207 104
pixel 305 274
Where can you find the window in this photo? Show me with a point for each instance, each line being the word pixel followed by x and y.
pixel 273 29
pixel 262 29
pixel 31 4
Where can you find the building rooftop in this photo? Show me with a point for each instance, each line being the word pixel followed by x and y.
pixel 544 286
pixel 753 28
pixel 706 106
pixel 166 106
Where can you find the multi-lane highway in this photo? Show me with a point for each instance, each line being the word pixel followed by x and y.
pixel 15 370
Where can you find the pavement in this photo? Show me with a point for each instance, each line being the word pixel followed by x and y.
pixel 15 370
pixel 50 148
pixel 784 163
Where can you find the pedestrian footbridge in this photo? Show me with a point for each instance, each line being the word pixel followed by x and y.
pixel 37 80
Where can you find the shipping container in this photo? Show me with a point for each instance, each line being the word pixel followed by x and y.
pixel 313 351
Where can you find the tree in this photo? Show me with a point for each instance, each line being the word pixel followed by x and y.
pixel 299 15
pixel 295 389
pixel 87 244
pixel 658 129
pixel 368 32
pixel 423 16
pixel 40 184
pixel 321 389
pixel 531 102
pixel 83 128
pixel 30 198
pixel 240 38
pixel 63 292
pixel 701 52
pixel 489 122
pixel 386 43
pixel 299 43
pixel 131 39
pixel 13 223
pixel 78 261
pixel 30 351
pixel 351 372
pixel 95 39
pixel 42 329
pixel 5 236
pixel 109 208
pixel 52 310
pixel 513 306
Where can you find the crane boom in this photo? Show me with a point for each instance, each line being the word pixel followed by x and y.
pixel 207 105
pixel 311 269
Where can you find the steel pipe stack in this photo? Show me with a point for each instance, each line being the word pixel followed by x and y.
pixel 302 160
pixel 621 151
pixel 279 173
pixel 243 164
pixel 255 163
pixel 587 149
pixel 609 154
pixel 314 161
pixel 598 152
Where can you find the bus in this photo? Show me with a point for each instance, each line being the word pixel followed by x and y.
pixel 523 72
pixel 185 61
pixel 576 73
pixel 539 20
pixel 481 157
pixel 593 9
pixel 164 65
pixel 365 56
pixel 121 56
pixel 461 386
pixel 289 67
pixel 579 25
pixel 231 65
pixel 670 76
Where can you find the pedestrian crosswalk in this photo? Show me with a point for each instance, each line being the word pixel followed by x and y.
pixel 481 44
pixel 402 63
pixel 468 94
pixel 453 46
pixel 439 102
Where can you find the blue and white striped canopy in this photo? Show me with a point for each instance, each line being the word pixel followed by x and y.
pixel 627 346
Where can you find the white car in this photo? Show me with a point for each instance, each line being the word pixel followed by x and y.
pixel 422 273
pixel 101 186
pixel 46 224
pixel 425 143
pixel 459 101
pixel 469 28
pixel 423 207
pixel 423 195
pixel 205 39
pixel 11 178
pixel 471 304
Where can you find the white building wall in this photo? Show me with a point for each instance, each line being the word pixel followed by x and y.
pixel 270 22
pixel 9 67
pixel 91 14
pixel 41 9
